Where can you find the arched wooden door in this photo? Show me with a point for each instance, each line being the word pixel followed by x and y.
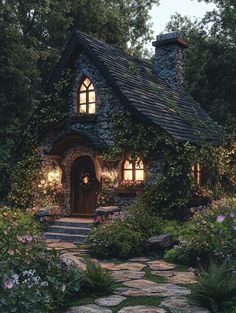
pixel 84 187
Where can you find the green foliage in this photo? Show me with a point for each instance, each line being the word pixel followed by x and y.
pixel 96 280
pixel 116 239
pixel 33 36
pixel 141 220
pixel 210 60
pixel 50 117
pixel 215 289
pixel 172 190
pixel 210 234
pixel 31 278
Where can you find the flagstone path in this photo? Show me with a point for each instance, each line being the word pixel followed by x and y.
pixel 171 288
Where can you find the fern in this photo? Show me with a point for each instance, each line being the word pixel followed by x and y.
pixel 97 280
pixel 216 289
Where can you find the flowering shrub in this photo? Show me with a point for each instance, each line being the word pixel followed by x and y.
pixel 132 184
pixel 106 196
pixel 47 192
pixel 210 234
pixel 31 278
pixel 116 239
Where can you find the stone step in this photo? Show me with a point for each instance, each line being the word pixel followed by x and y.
pixel 66 237
pixel 72 224
pixel 69 230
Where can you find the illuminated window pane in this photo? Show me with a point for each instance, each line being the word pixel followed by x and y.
pixel 139 175
pixel 92 108
pixel 91 87
pixel 196 173
pixel 128 164
pixel 82 88
pixel 86 82
pixel 82 97
pixel 139 164
pixel 128 175
pixel 91 96
pixel 82 108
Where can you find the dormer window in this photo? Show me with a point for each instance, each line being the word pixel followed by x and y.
pixel 86 98
pixel 133 170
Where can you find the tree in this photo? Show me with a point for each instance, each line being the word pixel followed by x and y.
pixel 32 38
pixel 211 61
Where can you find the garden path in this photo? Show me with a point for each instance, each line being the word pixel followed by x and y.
pixel 144 285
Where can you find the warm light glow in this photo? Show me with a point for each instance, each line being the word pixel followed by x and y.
pixel 196 173
pixel 133 170
pixel 86 98
pixel 54 175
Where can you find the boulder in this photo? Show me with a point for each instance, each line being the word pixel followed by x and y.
pixel 49 210
pixel 160 241
pixel 107 210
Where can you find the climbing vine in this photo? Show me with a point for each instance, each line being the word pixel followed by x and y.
pixel 51 116
pixel 172 190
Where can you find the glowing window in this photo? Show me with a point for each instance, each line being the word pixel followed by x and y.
pixel 86 98
pixel 133 170
pixel 196 173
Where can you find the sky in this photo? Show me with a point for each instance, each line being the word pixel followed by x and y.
pixel 161 14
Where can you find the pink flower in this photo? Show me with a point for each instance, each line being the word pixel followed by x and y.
pixel 19 238
pixel 220 218
pixel 27 238
pixel 9 283
pixel 10 252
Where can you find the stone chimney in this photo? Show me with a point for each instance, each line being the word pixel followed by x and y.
pixel 169 59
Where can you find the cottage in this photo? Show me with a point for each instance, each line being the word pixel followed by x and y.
pixel 107 81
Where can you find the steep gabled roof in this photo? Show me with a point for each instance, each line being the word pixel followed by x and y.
pixel 146 95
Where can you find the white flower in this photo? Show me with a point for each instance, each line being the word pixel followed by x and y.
pixel 63 288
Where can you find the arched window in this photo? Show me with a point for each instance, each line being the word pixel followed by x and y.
pixel 133 170
pixel 197 173
pixel 86 98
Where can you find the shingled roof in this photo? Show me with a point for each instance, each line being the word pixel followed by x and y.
pixel 146 95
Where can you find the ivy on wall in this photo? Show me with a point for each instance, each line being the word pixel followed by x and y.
pixel 171 190
pixel 51 116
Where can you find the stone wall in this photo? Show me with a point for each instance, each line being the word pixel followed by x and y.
pixel 107 102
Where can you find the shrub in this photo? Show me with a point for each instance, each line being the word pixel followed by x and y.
pixel 96 280
pixel 31 278
pixel 215 289
pixel 210 234
pixel 150 223
pixel 143 221
pixel 116 239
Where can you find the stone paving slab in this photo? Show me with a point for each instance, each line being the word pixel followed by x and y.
pixel 148 287
pixel 181 305
pixel 179 278
pixel 141 309
pixel 139 259
pixel 59 245
pixel 129 266
pixel 124 275
pixel 113 300
pixel 160 265
pixel 90 308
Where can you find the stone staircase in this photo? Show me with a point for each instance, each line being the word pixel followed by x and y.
pixel 69 229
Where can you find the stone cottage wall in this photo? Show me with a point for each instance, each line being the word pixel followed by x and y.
pixel 107 102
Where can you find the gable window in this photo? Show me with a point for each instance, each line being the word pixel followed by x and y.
pixel 196 173
pixel 133 170
pixel 86 98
